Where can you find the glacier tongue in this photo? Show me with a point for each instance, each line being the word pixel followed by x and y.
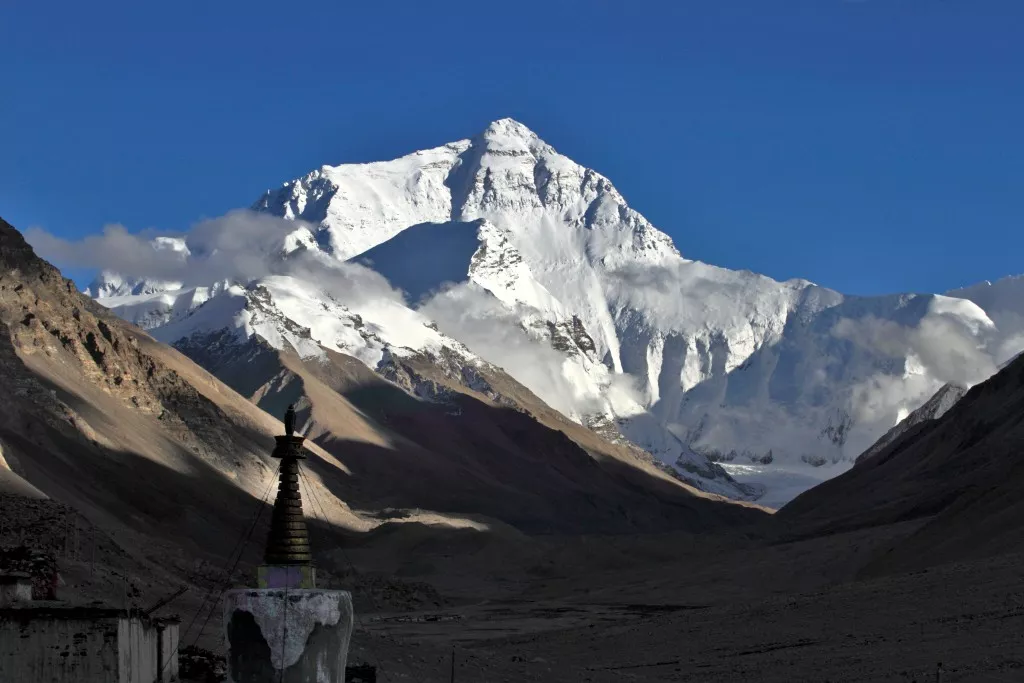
pixel 512 253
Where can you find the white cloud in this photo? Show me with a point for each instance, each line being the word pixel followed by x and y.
pixel 489 329
pixel 347 282
pixel 114 249
pixel 945 346
pixel 240 246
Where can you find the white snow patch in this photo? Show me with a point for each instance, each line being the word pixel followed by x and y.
pixel 784 482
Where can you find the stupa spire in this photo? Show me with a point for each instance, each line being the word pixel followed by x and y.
pixel 288 541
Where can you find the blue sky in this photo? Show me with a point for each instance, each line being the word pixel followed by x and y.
pixel 871 146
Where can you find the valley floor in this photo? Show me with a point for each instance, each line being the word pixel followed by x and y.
pixel 670 607
pixel 667 625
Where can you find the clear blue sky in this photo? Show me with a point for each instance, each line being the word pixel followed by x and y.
pixel 867 145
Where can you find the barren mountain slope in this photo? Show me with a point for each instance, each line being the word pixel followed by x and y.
pixel 104 418
pixel 440 446
pixel 932 409
pixel 128 431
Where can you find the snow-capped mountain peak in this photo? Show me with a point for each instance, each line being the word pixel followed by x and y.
pixel 528 261
pixel 505 170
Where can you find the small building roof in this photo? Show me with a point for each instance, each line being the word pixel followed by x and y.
pixel 15 577
pixel 56 609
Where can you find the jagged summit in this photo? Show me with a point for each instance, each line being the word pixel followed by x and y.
pixel 507 169
pixel 508 134
pixel 509 127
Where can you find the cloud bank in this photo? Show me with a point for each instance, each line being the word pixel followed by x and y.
pixel 239 247
pixel 945 346
pixel 941 349
pixel 244 246
pixel 494 332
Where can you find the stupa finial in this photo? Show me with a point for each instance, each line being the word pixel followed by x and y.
pixel 289 420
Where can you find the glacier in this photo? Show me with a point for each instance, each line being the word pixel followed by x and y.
pixel 511 254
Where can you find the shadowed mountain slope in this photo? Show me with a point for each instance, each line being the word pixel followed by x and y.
pixel 424 441
pixel 961 476
pixel 136 436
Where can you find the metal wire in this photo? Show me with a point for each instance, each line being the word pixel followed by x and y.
pixel 238 558
pixel 284 631
pixel 233 561
pixel 355 615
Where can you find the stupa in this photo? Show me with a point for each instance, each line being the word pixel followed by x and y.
pixel 286 628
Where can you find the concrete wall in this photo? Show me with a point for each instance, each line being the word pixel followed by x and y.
pixel 147 651
pixel 69 648
pixel 168 651
pixel 65 650
pixel 136 651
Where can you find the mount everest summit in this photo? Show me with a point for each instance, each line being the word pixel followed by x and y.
pixel 497 256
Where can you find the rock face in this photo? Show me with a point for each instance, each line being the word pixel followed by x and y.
pixel 512 254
